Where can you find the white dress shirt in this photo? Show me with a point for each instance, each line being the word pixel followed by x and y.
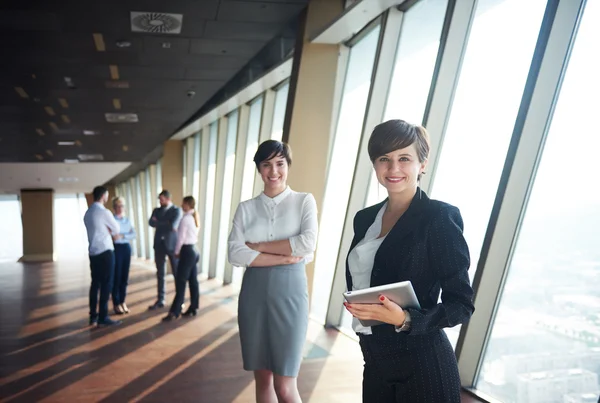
pixel 100 224
pixel 289 215
pixel 187 232
pixel 361 260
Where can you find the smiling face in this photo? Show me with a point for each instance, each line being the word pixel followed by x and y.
pixel 274 173
pixel 119 208
pixel 399 170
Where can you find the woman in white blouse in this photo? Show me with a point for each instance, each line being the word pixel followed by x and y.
pixel 187 268
pixel 274 235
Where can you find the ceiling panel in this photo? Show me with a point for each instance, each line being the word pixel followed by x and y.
pixel 251 11
pixel 46 42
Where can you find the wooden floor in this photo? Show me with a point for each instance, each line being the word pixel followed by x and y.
pixel 49 353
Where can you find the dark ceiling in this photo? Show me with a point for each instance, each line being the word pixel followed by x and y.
pixel 222 45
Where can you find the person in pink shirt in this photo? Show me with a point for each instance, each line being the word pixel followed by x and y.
pixel 187 269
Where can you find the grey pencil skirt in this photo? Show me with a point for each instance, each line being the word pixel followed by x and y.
pixel 273 318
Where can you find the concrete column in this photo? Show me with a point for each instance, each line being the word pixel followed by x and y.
pixel 311 106
pixel 172 169
pixel 37 206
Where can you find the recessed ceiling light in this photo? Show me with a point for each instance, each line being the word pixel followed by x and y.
pixel 71 161
pixel 49 110
pixel 114 71
pixel 68 179
pixel 121 117
pixel 53 126
pixel 90 157
pixel 117 84
pixel 40 132
pixel 69 82
pixel 166 45
pixel 66 143
pixel 123 44
pixel 99 42
pixel 125 148
pixel 21 92
pixel 65 119
pixel 49 152
pixel 63 102
pixel 89 132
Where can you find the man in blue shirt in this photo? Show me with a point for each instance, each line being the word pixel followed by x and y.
pixel 100 225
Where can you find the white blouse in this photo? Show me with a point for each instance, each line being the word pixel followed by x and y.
pixel 289 215
pixel 361 260
pixel 187 232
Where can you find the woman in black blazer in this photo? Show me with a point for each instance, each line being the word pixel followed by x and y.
pixel 408 237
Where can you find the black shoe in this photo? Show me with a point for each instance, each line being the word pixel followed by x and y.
pixel 190 312
pixel 171 316
pixel 108 322
pixel 157 305
pixel 93 320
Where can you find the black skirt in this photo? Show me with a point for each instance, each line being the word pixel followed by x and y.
pixel 412 369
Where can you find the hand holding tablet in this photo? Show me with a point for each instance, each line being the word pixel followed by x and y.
pixel 401 293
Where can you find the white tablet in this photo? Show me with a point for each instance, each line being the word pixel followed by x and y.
pixel 401 293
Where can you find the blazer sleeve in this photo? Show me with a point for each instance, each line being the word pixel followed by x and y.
pixel 449 257
pixel 152 222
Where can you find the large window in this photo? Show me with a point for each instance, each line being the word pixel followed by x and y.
pixel 70 234
pixel 141 218
pixel 150 197
pixel 195 190
pixel 279 111
pixel 11 238
pixel 232 126
pixel 210 194
pixel 484 110
pixel 249 174
pixel 341 168
pixel 545 341
pixel 413 70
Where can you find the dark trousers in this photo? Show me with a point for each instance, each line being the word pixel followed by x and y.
pixel 103 268
pixel 412 369
pixel 160 258
pixel 187 272
pixel 121 278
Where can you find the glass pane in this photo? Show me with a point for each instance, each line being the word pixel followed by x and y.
pixel 545 341
pixel 341 168
pixel 279 112
pixel 232 125
pixel 415 61
pixel 11 237
pixel 140 214
pixel 483 114
pixel 210 194
pixel 132 213
pixel 196 176
pixel 249 166
pixel 149 207
pixel 70 234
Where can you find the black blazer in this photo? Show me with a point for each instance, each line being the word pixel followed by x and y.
pixel 166 223
pixel 427 247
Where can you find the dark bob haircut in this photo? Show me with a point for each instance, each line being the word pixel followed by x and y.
pixel 98 192
pixel 395 135
pixel 271 149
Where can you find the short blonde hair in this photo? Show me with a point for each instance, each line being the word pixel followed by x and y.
pixel 116 200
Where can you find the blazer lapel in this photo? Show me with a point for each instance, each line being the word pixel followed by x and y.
pixel 404 226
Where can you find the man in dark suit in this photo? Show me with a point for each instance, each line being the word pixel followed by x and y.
pixel 166 220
